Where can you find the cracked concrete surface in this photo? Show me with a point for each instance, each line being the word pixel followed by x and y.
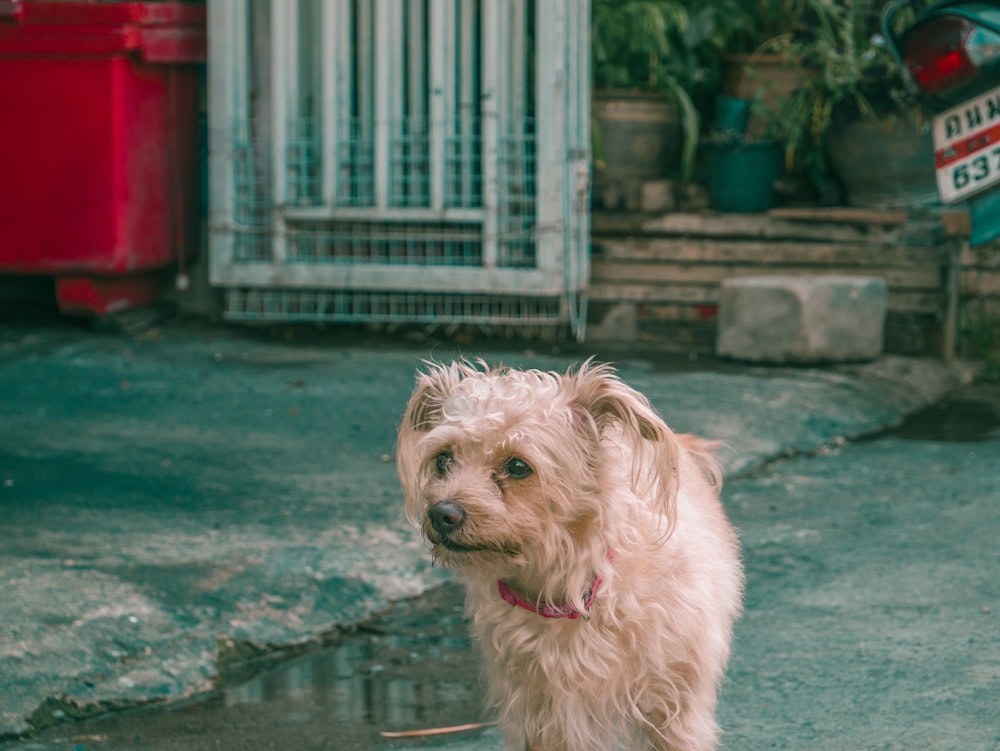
pixel 184 497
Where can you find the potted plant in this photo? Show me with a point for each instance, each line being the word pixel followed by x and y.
pixel 653 58
pixel 851 121
pixel 742 169
pixel 756 65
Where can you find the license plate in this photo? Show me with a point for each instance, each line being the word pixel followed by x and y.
pixel 967 147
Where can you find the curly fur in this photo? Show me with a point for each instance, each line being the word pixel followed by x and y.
pixel 642 669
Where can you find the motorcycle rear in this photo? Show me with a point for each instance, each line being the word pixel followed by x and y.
pixel 949 52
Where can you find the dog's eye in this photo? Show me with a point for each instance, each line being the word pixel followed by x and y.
pixel 443 462
pixel 517 468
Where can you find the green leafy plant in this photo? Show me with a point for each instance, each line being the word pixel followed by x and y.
pixel 671 47
pixel 981 341
pixel 852 76
pixel 756 25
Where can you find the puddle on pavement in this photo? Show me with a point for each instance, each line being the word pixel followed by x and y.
pixel 411 668
pixel 952 420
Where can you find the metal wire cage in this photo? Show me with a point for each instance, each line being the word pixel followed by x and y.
pixel 419 161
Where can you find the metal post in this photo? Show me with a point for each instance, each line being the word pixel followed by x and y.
pixel 336 21
pixel 415 126
pixel 387 28
pixel 551 152
pixel 226 82
pixel 440 21
pixel 468 107
pixel 362 168
pixel 492 32
pixel 284 33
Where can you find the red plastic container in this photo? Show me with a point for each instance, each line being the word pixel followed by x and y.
pixel 98 146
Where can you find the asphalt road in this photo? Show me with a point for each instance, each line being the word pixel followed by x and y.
pixel 180 501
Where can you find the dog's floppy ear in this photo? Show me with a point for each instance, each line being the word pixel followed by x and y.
pixel 423 412
pixel 599 390
pixel 424 408
pixel 433 387
pixel 612 404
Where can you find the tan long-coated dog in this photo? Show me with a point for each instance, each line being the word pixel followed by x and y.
pixel 603 578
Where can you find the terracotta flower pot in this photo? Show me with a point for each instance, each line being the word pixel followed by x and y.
pixel 640 134
pixel 770 78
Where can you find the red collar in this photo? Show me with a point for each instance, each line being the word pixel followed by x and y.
pixel 552 611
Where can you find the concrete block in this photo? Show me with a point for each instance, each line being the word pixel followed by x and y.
pixel 693 197
pixel 631 194
pixel 793 319
pixel 658 196
pixel 635 195
pixel 619 324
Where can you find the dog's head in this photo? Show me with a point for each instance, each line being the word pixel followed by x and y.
pixel 502 467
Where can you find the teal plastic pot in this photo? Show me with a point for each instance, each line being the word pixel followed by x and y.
pixel 731 115
pixel 741 176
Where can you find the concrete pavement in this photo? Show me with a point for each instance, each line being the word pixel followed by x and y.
pixel 177 501
pixel 872 602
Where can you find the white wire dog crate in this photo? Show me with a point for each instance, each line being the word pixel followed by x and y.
pixel 419 161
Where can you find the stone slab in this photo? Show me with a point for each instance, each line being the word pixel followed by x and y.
pixel 802 319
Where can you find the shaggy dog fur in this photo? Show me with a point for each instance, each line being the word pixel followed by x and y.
pixel 621 571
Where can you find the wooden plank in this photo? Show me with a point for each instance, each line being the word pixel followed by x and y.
pixel 899 301
pixel 956 223
pixel 662 293
pixel 682 313
pixel 977 282
pixel 908 301
pixel 706 312
pixel 986 257
pixel 918 277
pixel 709 251
pixel 750 226
pixel 883 217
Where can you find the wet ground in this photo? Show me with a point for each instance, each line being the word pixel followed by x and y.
pixel 413 667
pixel 822 646
pixel 970 416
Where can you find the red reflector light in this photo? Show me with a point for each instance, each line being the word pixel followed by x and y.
pixel 937 56
pixel 942 69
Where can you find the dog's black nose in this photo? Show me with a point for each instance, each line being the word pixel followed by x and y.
pixel 446 517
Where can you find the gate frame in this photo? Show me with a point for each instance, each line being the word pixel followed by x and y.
pixel 562 167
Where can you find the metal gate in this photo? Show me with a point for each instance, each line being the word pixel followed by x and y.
pixel 419 161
